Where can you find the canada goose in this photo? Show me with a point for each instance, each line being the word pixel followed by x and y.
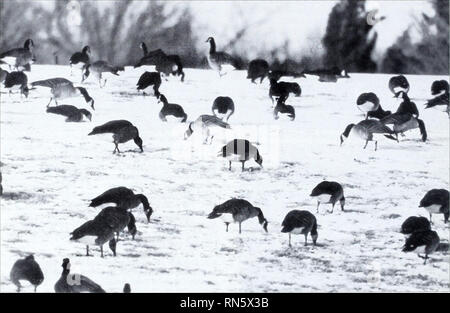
pixel 75 283
pixel 26 269
pixel 171 109
pixel 240 150
pixel 403 122
pixel 110 221
pixel 17 81
pixel 223 106
pixel 19 57
pixel 329 192
pixel 125 198
pixel 413 224
pixel 425 241
pixel 283 109
pixel 97 69
pixel 300 222
pixel 218 59
pixel 283 89
pixel 149 79
pixel 72 113
pixel 237 211
pixel 366 130
pixel 80 59
pixel 204 123
pixel 62 88
pixel 368 102
pixel 407 106
pixel 257 69
pixel 398 84
pixel 127 288
pixel 122 131
pixel 436 201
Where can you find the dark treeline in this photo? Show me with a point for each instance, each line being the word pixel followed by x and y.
pixel 114 33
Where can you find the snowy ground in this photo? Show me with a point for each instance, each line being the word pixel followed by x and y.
pixel 52 168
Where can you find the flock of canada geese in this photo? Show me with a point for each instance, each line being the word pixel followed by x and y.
pixel 107 225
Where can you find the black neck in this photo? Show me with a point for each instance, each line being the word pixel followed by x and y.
pixel 85 94
pixel 144 48
pixel 314 229
pixel 212 44
pixel 347 130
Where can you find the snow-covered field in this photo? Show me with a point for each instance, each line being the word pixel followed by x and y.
pixel 51 169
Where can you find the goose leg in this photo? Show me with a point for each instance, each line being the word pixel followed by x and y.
pixel 306 240
pixel 318 204
pixel 290 240
pixel 243 162
pixel 35 288
pixel 426 258
pixel 376 145
pixel 367 141
pixel 87 250
pixel 239 227
pixel 332 208
pixel 229 168
pixel 101 250
pixel 227 224
pixel 430 219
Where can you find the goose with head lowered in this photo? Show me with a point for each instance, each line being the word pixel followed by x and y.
pixel 123 197
pixel 62 88
pixel 238 211
pixel 367 130
pixel 26 269
pixel 98 68
pixel 217 60
pixel 19 57
pixel 258 68
pixel 75 283
pixel 283 109
pixel 414 224
pixel 283 89
pixel 17 81
pixel 329 192
pixel 436 201
pixel 300 222
pixel 147 80
pixel 204 123
pixel 122 130
pixel 424 241
pixel 403 122
pixel 240 150
pixel 72 113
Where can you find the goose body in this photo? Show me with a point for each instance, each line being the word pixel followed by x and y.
pixel 164 64
pixel 300 222
pixel 436 201
pixel 171 109
pixel 237 211
pixel 283 109
pixel 72 113
pixel 205 123
pixel 218 59
pixel 62 88
pixel 413 224
pixel 398 84
pixel 329 75
pixel 75 283
pixel 425 241
pixel 17 81
pixel 19 57
pixel 257 69
pixel 366 130
pixel 240 150
pixel 223 107
pixel 329 192
pixel 97 69
pixel 368 102
pixel 403 122
pixel 407 106
pixel 80 59
pixel 125 198
pixel 26 269
pixel 283 89
pixel 149 79
pixel 441 102
pixel 122 130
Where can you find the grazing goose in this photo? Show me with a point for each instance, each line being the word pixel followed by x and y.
pixel 398 84
pixel 125 198
pixel 283 89
pixel 122 131
pixel 379 113
pixel 403 122
pixel 75 283
pixel 149 79
pixel 110 221
pixel 72 113
pixel 425 241
pixel 26 269
pixel 223 106
pixel 80 59
pixel 257 69
pixel 127 288
pixel 413 224
pixel 19 57
pixel 171 109
pixel 368 102
pixel 240 150
pixel 366 130
pixel 3 75
pixel 218 59
pixel 205 123
pixel 329 192
pixel 237 211
pixel 436 201
pixel 283 109
pixel 131 226
pixel 300 222
pixel 439 89
pixel 17 81
pixel 62 88
pixel 407 106
pixel 97 69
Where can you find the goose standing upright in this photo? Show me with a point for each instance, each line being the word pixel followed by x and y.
pixel 122 131
pixel 300 222
pixel 72 113
pixel 283 89
pixel 171 109
pixel 436 201
pixel 238 211
pixel 223 107
pixel 97 69
pixel 147 80
pixel 329 192
pixel 75 283
pixel 366 130
pixel 398 84
pixel 80 59
pixel 205 123
pixel 17 81
pixel 218 59
pixel 19 57
pixel 62 88
pixel 257 69
pixel 125 198
pixel 403 122
pixel 26 269
pixel 413 224
pixel 240 150
pixel 425 241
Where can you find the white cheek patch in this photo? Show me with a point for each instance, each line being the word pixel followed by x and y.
pixel 398 89
pixel 367 106
pixel 219 115
pixel 78 65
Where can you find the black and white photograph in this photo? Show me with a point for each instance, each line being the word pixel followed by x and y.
pixel 241 147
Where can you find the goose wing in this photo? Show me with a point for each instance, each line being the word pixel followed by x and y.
pixel 52 82
pixel 86 285
pixel 211 120
pixel 223 58
pixel 113 195
pixel 396 118
pixel 65 110
pixel 376 127
pixel 110 127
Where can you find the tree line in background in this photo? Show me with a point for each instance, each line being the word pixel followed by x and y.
pixel 348 42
